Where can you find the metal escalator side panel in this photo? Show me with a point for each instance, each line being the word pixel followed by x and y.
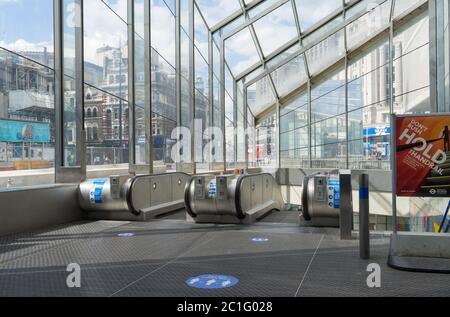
pixel 179 182
pixel 160 189
pixel 272 192
pixel 154 190
pixel 305 209
pixel 277 195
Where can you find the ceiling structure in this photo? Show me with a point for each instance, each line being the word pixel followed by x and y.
pixel 263 38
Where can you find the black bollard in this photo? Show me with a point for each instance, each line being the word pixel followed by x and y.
pixel 364 233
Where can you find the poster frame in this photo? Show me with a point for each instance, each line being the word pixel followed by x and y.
pixel 394 158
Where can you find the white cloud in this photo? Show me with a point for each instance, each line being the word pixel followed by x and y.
pixel 101 27
pixel 21 45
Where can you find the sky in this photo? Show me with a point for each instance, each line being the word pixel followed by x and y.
pixel 26 24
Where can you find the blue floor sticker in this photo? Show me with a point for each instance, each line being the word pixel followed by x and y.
pixel 260 240
pixel 126 235
pixel 212 281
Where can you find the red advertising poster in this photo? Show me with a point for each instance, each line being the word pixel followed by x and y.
pixel 423 156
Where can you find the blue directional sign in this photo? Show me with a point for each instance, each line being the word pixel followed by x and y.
pixel 334 193
pixel 96 193
pixel 126 235
pixel 260 240
pixel 212 281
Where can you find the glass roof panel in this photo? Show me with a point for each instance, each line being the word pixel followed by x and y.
pixel 403 5
pixel 276 28
pixel 260 96
pixel 368 25
pixel 240 51
pixel 315 36
pixel 260 7
pixel 361 7
pixel 311 12
pixel 283 55
pixel 231 26
pixel 326 52
pixel 254 74
pixel 290 76
pixel 215 11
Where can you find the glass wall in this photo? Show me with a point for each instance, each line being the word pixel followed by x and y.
pixel 294 133
pixel 202 93
pixel 328 133
pixel 106 83
pixel 27 96
pixel 266 147
pixel 163 84
pixel 369 108
pixel 351 101
pixel 336 75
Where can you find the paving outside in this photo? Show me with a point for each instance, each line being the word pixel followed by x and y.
pixel 162 255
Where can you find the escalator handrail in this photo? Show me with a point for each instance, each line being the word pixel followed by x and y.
pixel 129 195
pixel 187 199
pixel 237 196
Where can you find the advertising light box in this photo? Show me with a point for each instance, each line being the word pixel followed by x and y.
pixel 22 131
pixel 423 156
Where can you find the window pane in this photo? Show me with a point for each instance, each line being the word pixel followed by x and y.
pixel 215 11
pixel 276 29
pixel 105 47
pixel 311 12
pixel 290 76
pixel 326 52
pixel 240 52
pixel 26 27
pixel 411 67
pixel 27 98
pixel 260 96
pixel 106 124
pixel 368 25
pixel 164 114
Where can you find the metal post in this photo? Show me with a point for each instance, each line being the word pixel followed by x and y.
pixel 148 87
pixel 346 206
pixel 394 171
pixel 192 90
pixel 131 88
pixel 364 233
pixel 309 119
pixel 222 103
pixel 432 13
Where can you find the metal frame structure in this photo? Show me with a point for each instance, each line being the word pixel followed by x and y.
pixel 343 61
pixel 63 173
pixel 246 78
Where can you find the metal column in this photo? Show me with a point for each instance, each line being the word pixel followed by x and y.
pixel 131 87
pixel 148 86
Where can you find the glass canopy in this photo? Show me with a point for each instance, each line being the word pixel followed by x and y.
pixel 289 41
